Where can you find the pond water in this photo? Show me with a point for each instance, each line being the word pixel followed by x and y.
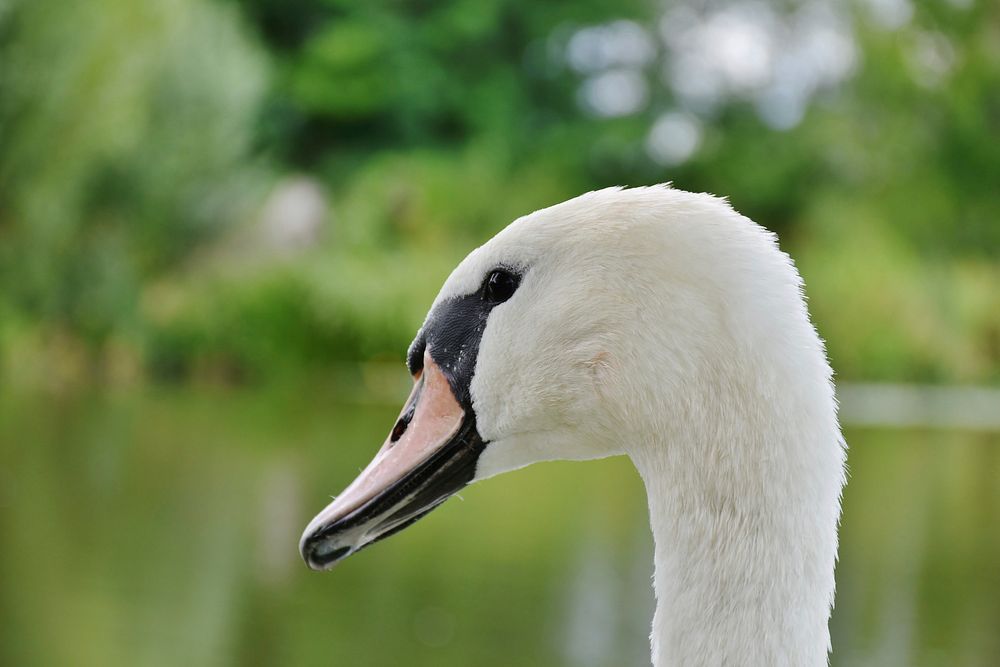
pixel 161 528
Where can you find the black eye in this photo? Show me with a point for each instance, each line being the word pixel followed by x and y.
pixel 500 285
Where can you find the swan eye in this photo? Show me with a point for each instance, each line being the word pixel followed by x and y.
pixel 500 285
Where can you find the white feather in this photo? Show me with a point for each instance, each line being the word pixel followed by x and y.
pixel 664 325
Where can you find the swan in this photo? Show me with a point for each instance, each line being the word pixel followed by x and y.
pixel 658 324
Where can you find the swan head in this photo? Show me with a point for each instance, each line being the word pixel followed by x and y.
pixel 609 324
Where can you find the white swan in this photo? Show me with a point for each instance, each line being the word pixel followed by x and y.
pixel 658 324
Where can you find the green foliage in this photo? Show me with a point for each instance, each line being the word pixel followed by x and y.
pixel 288 317
pixel 899 317
pixel 359 77
pixel 134 139
pixel 124 130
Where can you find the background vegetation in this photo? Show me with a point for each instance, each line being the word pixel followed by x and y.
pixel 141 144
pixel 221 222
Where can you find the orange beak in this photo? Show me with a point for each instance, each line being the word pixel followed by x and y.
pixel 430 454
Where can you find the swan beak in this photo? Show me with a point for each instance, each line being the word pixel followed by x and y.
pixel 430 454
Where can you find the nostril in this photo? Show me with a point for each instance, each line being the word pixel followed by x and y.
pixel 398 430
pixel 401 425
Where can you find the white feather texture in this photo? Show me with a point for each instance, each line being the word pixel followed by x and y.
pixel 664 325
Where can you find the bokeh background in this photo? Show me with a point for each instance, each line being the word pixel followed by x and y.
pixel 221 222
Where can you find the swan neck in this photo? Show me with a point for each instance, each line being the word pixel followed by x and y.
pixel 744 550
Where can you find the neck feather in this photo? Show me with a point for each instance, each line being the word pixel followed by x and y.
pixel 744 516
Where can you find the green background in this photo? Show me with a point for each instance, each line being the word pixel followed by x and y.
pixel 222 221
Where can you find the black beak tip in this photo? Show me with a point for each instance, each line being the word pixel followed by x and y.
pixel 320 553
pixel 330 540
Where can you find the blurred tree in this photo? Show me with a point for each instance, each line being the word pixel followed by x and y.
pixel 360 77
pixel 121 152
pixel 864 134
pixel 901 106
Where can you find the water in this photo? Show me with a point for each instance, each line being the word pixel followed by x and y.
pixel 161 528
